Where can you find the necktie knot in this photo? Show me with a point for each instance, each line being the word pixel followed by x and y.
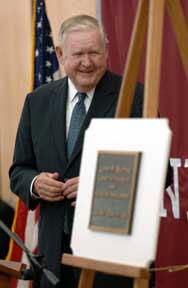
pixel 81 96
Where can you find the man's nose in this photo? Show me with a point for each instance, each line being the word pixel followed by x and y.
pixel 86 60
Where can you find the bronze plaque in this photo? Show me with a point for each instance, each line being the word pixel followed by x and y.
pixel 114 191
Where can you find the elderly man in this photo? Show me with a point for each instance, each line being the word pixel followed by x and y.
pixel 49 140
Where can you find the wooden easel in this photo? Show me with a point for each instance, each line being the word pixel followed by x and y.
pixel 149 16
pixel 10 269
pixel 89 267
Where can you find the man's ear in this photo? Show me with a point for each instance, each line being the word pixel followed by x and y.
pixel 59 54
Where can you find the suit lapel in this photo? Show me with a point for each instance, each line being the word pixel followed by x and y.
pixel 102 100
pixel 59 120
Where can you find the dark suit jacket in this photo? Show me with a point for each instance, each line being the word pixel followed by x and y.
pixel 41 147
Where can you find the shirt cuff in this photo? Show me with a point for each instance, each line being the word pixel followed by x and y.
pixel 33 195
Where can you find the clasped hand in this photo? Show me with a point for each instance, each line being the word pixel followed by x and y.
pixel 49 188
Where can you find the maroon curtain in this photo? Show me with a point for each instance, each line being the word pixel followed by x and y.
pixel 118 18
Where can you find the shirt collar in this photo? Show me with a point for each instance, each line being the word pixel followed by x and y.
pixel 73 91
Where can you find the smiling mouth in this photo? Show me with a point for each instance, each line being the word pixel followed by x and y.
pixel 88 73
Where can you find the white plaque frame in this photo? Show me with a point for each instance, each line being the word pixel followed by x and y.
pixel 152 137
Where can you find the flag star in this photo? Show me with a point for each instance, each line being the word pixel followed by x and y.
pixel 36 53
pixel 50 49
pixel 48 64
pixel 39 25
pixel 48 79
pixel 39 76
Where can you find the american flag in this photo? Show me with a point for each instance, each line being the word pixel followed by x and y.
pixel 45 68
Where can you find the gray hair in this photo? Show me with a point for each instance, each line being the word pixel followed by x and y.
pixel 80 23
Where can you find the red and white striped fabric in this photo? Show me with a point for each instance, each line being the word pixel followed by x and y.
pixel 26 226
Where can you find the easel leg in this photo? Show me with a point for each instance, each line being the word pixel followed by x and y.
pixel 153 59
pixel 86 278
pixel 141 283
pixel 180 28
pixel 133 60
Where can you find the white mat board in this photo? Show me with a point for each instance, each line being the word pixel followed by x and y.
pixel 152 138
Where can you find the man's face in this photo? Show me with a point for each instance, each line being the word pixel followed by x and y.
pixel 84 58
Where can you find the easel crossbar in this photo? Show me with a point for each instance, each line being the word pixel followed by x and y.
pixel 105 267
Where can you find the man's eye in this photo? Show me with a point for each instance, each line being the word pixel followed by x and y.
pixel 78 54
pixel 94 53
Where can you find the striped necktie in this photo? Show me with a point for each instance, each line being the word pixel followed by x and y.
pixel 77 119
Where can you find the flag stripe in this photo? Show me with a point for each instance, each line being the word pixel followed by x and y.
pixel 19 221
